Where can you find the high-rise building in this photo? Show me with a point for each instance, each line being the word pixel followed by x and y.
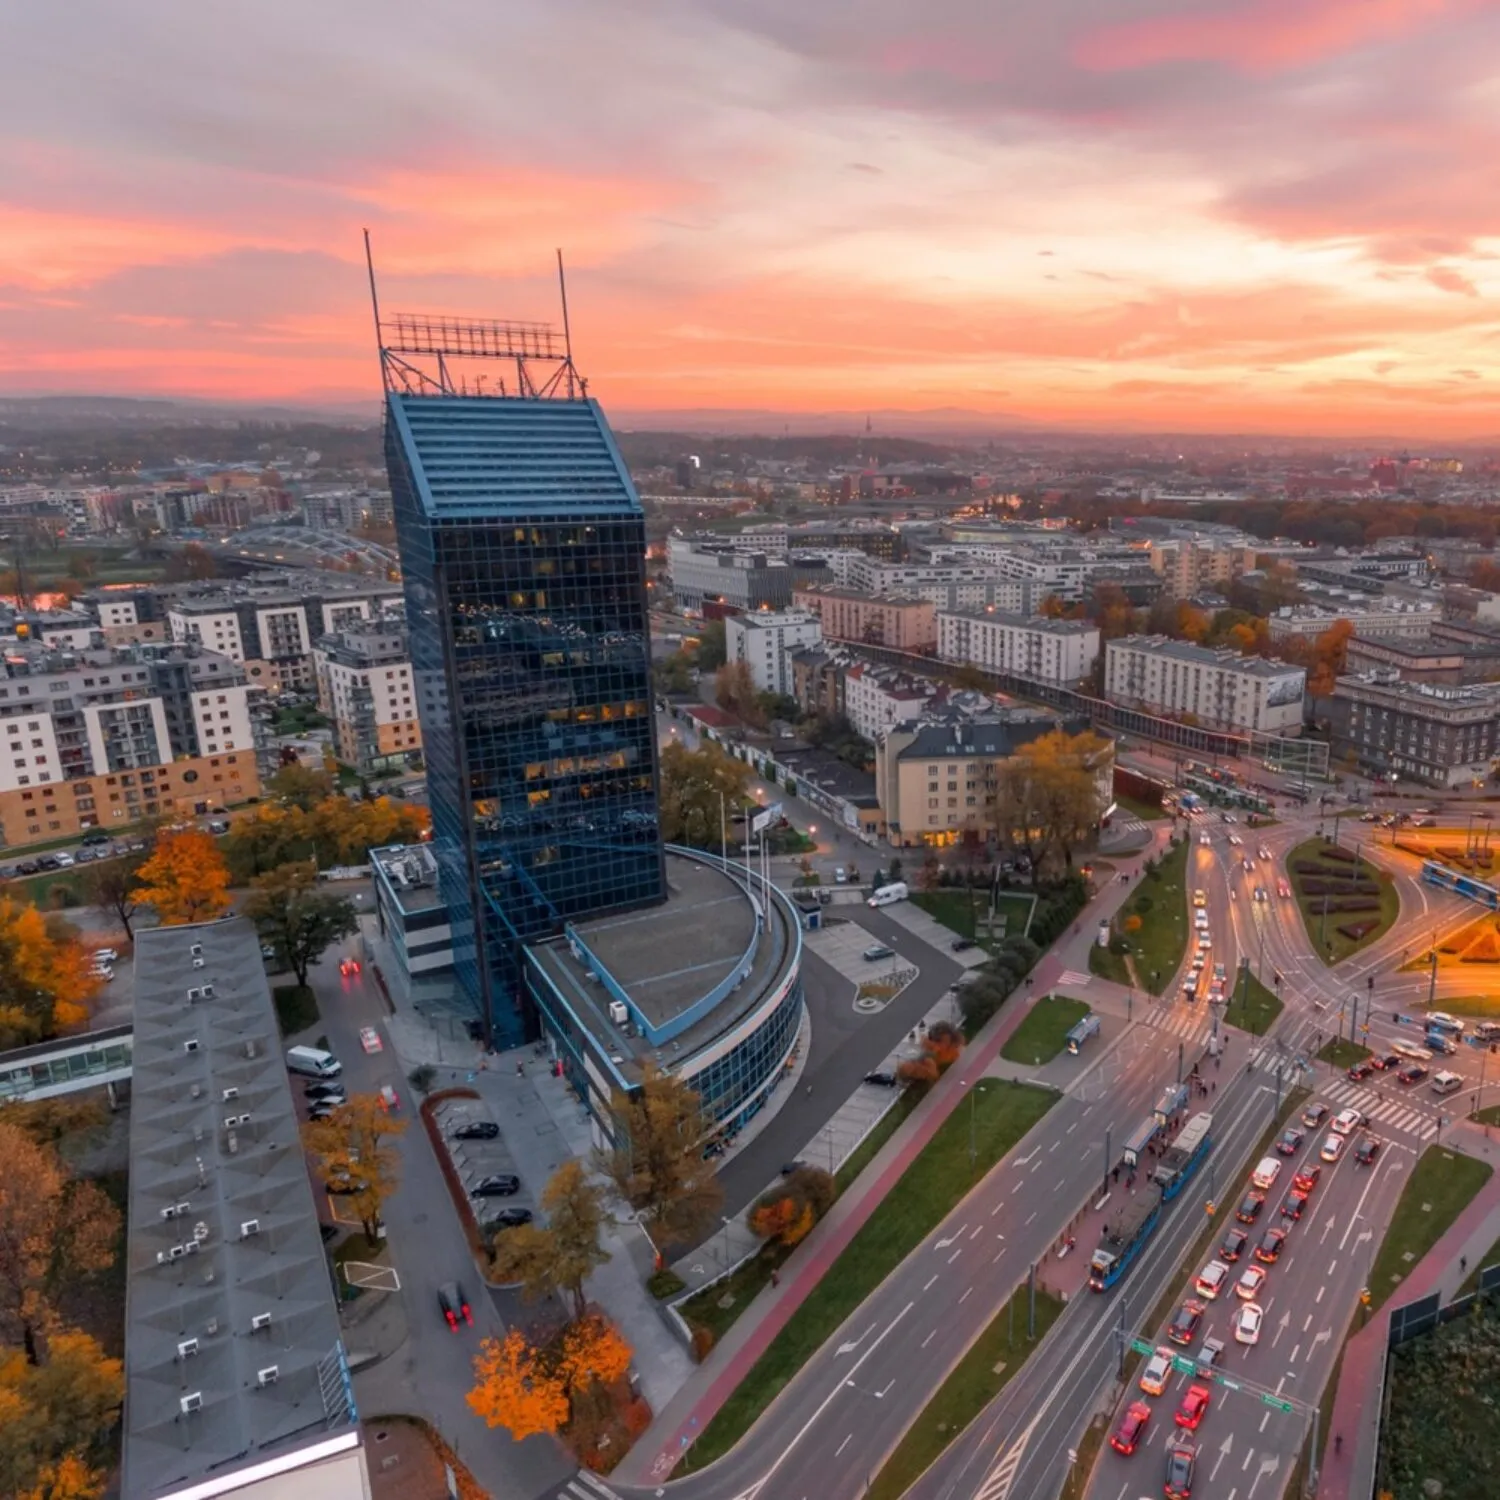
pixel 523 550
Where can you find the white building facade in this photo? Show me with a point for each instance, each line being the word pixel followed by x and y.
pixel 763 639
pixel 1062 651
pixel 1217 689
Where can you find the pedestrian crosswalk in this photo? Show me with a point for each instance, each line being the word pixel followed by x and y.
pixel 586 1486
pixel 1073 977
pixel 1394 1114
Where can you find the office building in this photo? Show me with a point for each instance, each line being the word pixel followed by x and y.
pixel 705 575
pixel 938 777
pixel 410 909
pixel 236 1380
pixel 899 622
pixel 523 548
pixel 763 641
pixel 1215 689
pixel 1374 617
pixel 365 686
pixel 1062 651
pixel 1438 734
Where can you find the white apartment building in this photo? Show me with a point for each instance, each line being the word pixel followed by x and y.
pixel 283 631
pixel 222 718
pixel 366 685
pixel 1066 571
pixel 214 631
pixel 877 698
pixel 115 612
pixel 1375 617
pixel 762 640
pixel 1217 689
pixel 1032 646
pixel 28 752
pixel 1189 565
pixel 949 585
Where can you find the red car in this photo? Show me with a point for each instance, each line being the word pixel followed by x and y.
pixel 1127 1436
pixel 349 966
pixel 1389 1063
pixel 1361 1070
pixel 454 1306
pixel 1307 1179
pixel 1194 1405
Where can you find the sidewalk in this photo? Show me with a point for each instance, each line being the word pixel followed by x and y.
pixel 1356 1406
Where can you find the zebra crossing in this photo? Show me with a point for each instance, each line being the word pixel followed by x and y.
pixel 586 1486
pixel 1395 1114
pixel 1072 977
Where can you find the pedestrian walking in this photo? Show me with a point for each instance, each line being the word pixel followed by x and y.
pixel 1117 1174
pixel 1463 1264
pixel 775 1279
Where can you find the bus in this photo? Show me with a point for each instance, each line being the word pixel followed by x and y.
pixel 1184 1156
pixel 1123 1238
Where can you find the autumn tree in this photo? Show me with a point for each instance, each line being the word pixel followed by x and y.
pixel 657 1165
pixel 700 792
pixel 186 879
pixel 788 1211
pixel 561 1256
pixel 344 830
pixel 1111 611
pixel 515 1389
pixel 55 1419
pixel 46 984
pixel 297 918
pixel 593 1352
pixel 734 690
pixel 273 834
pixel 1060 772
pixel 943 1043
pixel 54 1230
pixel 299 786
pixel 353 1145
pixel 114 885
pixel 712 650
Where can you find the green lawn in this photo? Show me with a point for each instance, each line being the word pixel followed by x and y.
pixel 1157 945
pixel 1042 1034
pixel 1252 1007
pixel 1441 1186
pixel 1108 965
pixel 1343 1054
pixel 994 1357
pixel 1142 810
pixel 963 910
pixel 1469 1005
pixel 1325 936
pixel 888 1124
pixel 1000 1115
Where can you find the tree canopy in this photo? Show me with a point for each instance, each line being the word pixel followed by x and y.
pixel 185 879
pixel 700 790
pixel 46 984
pixel 353 1146
pixel 561 1256
pixel 298 918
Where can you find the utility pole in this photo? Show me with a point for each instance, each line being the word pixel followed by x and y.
pixel 1031 1303
pixel 1106 1158
pixel 1432 982
pixel 1179 1062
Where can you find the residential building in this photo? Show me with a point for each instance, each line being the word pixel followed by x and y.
pixel 938 778
pixel 723 575
pixel 1438 734
pixel 1189 566
pixel 523 545
pixel 877 698
pixel 899 622
pixel 1415 661
pixel 1373 616
pixel 763 639
pixel 1214 688
pixel 1372 567
pixel 366 687
pixel 818 681
pixel 1044 650
pixel 948 584
pixel 236 1379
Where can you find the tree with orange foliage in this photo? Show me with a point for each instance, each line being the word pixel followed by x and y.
pixel 917 1072
pixel 54 1230
pixel 944 1041
pixel 787 1212
pixel 46 982
pixel 514 1388
pixel 186 879
pixel 593 1352
pixel 351 1148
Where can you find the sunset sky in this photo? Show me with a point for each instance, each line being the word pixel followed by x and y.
pixel 1225 215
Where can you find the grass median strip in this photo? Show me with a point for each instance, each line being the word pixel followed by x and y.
pixel 1252 1007
pixel 1343 1054
pixel 1441 1186
pixel 999 1114
pixel 1331 945
pixel 994 1357
pixel 1041 1035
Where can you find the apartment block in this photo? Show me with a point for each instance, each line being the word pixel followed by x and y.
pixel 1439 734
pixel 365 685
pixel 900 622
pixel 1062 651
pixel 1375 617
pixel 878 698
pixel 1217 689
pixel 763 641
pixel 938 779
pixel 1189 566
pixel 818 682
pixel 947 584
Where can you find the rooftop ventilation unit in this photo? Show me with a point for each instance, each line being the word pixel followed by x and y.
pixel 233 1122
pixel 260 1322
pixel 193 1401
pixel 619 1012
pixel 231 1093
pixel 196 1092
pixel 197 963
pixel 187 1348
pixel 251 1050
pixel 191 1045
pixel 196 950
pixel 268 1375
pixel 249 1227
pixel 208 992
pixel 175 1210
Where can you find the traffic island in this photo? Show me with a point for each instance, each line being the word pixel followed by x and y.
pixel 1149 933
pixel 1252 1007
pixel 1044 1031
pixel 1346 902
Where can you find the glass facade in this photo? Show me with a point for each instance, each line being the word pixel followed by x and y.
pixel 734 1087
pixel 523 553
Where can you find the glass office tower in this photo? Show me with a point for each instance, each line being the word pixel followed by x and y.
pixel 523 550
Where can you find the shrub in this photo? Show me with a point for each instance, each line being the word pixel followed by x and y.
pixel 61 896
pixel 1133 923
pixel 944 1042
pixel 1023 950
pixel 421 1078
pixel 918 1072
pixel 703 1342
pixel 1143 903
pixel 665 1283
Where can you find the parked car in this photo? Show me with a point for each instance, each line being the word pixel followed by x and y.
pixel 878 951
pixel 508 1218
pixel 961 944
pixel 497 1185
pixel 882 1080
pixel 477 1130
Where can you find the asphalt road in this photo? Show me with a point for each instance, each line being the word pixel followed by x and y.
pixel 432 1372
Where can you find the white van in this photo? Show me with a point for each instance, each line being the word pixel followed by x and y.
pixel 886 894
pixel 1446 1083
pixel 313 1061
pixel 1265 1175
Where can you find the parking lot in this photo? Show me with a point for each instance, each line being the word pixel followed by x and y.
pixel 480 1160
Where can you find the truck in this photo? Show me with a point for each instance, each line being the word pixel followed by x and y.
pixel 885 895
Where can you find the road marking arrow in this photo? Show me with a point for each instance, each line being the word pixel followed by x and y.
pixel 854 1344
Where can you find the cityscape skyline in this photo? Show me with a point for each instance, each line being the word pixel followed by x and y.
pixel 1238 217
